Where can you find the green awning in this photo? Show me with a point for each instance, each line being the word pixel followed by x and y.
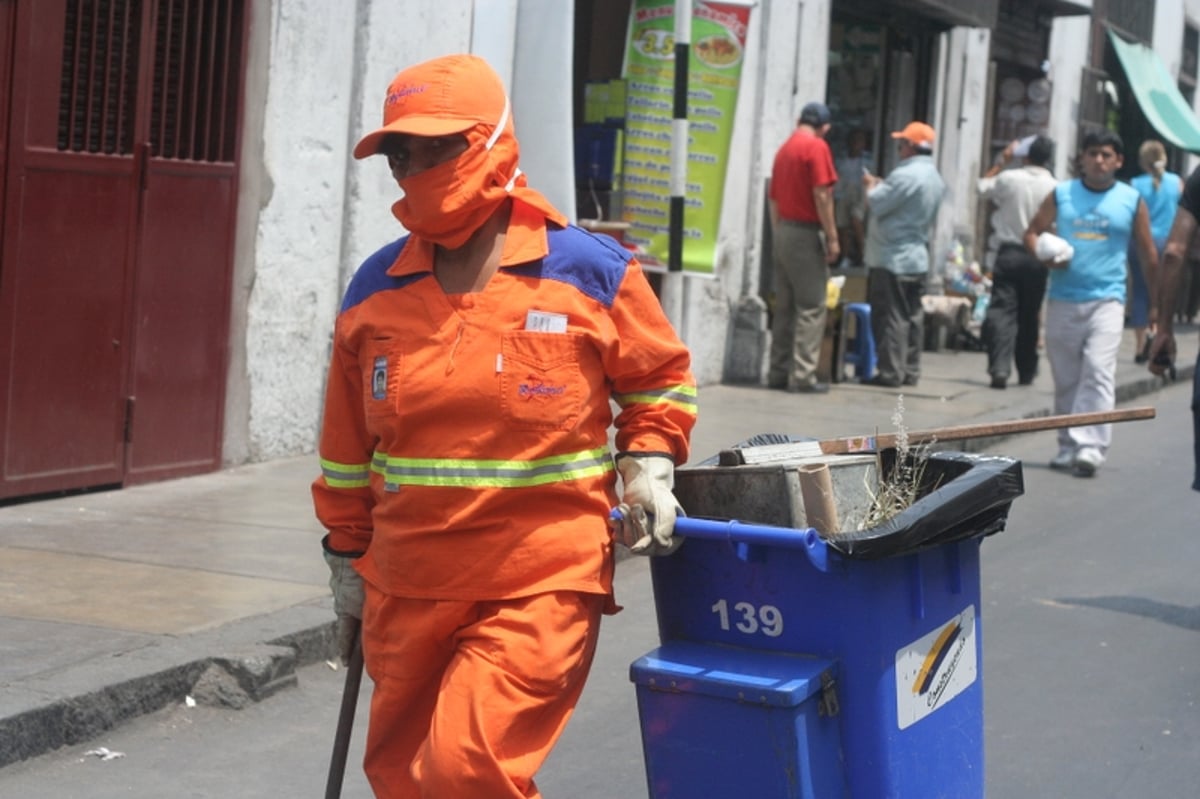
pixel 1156 93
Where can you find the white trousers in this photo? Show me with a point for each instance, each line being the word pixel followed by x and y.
pixel 1082 340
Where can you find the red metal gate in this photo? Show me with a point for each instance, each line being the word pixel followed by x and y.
pixel 117 239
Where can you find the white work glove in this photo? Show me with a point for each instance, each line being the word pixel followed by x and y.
pixel 648 508
pixel 347 587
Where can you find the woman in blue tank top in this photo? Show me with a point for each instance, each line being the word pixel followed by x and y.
pixel 1161 191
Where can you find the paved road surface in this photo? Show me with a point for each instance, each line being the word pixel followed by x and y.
pixel 1090 617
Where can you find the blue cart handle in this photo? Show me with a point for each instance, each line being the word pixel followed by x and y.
pixel 740 532
pixel 744 536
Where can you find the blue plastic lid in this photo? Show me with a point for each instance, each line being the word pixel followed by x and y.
pixel 774 679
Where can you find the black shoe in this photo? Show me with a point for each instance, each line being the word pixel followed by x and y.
pixel 1025 381
pixel 999 382
pixel 809 388
pixel 881 382
pixel 910 381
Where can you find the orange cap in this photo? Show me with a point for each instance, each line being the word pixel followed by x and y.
pixel 445 95
pixel 918 133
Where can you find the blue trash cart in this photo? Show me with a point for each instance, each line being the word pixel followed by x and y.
pixel 790 668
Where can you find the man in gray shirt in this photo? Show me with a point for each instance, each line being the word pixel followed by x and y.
pixel 902 209
pixel 1010 329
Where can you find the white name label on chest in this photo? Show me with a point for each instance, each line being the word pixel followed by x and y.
pixel 546 322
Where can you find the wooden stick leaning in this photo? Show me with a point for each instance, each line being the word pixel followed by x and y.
pixel 345 723
pixel 771 453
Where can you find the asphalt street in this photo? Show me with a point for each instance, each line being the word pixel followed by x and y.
pixel 1091 635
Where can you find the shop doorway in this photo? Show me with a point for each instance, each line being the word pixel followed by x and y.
pixel 118 214
pixel 879 80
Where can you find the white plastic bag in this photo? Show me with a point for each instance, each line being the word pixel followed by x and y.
pixel 1054 249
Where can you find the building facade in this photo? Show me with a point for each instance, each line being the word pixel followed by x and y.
pixel 203 227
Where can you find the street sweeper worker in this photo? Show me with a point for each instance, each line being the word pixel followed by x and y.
pixel 466 474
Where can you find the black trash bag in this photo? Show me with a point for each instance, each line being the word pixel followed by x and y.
pixel 961 496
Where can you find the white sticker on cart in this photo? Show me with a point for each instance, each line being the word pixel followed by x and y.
pixel 932 671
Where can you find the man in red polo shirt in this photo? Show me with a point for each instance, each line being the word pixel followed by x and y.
pixel 805 242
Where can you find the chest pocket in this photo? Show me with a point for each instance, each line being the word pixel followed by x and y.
pixel 380 365
pixel 541 385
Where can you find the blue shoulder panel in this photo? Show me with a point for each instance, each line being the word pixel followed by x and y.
pixel 372 276
pixel 593 264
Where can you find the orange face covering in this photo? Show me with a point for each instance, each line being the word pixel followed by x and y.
pixel 445 204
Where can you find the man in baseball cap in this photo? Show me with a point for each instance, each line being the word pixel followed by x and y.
pixel 902 209
pixel 918 134
pixel 804 227
pixel 815 115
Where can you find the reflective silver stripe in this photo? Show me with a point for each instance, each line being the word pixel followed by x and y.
pixel 346 475
pixel 681 396
pixel 471 473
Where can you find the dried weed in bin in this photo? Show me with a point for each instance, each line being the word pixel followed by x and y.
pixel 900 487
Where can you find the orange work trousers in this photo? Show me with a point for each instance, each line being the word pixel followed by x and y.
pixel 470 697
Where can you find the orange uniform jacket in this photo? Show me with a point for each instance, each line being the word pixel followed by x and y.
pixel 465 438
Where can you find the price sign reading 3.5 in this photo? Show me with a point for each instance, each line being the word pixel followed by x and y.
pixel 749 619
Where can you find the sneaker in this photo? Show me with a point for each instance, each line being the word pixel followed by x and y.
pixel 1087 461
pixel 1064 460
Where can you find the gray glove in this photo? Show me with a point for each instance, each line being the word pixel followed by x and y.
pixel 648 508
pixel 347 587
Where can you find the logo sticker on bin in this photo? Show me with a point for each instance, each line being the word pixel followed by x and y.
pixel 935 669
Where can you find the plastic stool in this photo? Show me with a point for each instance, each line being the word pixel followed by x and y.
pixel 859 350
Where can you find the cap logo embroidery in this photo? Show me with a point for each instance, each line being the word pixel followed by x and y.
pixel 403 92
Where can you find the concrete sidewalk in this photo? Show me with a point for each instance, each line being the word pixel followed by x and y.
pixel 119 603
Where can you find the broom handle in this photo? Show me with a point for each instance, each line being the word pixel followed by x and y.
pixel 840 446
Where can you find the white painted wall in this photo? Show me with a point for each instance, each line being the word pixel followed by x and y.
pixel 1190 16
pixel 494 35
pixel 543 95
pixel 1170 17
pixel 1067 57
pixel 962 113
pixel 308 212
pixel 303 171
pixel 1167 37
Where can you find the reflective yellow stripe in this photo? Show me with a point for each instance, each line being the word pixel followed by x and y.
pixel 491 473
pixel 682 396
pixel 346 475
